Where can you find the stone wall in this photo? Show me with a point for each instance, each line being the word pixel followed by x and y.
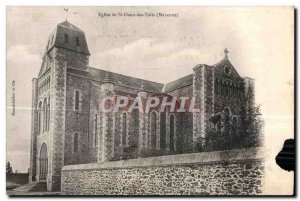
pixel 34 129
pixel 74 59
pixel 199 95
pixel 235 172
pixel 77 121
pixel 93 124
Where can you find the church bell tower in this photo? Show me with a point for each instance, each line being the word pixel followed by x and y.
pixel 66 49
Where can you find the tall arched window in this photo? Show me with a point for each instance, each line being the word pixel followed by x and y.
pixel 153 130
pixel 48 114
pixel 96 129
pixel 162 130
pixel 172 133
pixel 124 129
pixel 77 41
pixel 40 118
pixel 76 100
pixel 226 112
pixel 43 162
pixel 66 38
pixel 45 115
pixel 76 143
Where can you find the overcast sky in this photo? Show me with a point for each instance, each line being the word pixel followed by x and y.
pixel 259 40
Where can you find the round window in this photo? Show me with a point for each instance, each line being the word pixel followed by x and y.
pixel 227 70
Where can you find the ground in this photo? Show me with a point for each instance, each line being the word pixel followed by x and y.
pixel 29 189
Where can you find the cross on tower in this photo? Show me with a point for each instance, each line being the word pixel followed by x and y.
pixel 226 52
pixel 66 10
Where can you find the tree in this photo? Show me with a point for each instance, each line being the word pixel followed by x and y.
pixel 251 126
pixel 9 169
pixel 226 128
pixel 212 140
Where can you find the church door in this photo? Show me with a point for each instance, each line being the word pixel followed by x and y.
pixel 43 162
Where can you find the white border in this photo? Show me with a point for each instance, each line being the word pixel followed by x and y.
pixel 4 3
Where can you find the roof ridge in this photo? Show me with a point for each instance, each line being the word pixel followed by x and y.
pixel 180 78
pixel 126 75
pixel 221 61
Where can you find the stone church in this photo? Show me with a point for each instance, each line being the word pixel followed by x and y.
pixel 67 127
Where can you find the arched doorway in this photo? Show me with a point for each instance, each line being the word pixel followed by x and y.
pixel 43 162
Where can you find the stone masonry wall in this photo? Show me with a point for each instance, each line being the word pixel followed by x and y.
pixel 235 172
pixel 77 121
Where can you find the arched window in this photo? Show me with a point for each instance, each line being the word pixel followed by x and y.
pixel 234 124
pixel 162 130
pixel 76 100
pixel 48 115
pixel 153 130
pixel 226 111
pixel 43 162
pixel 124 129
pixel 40 118
pixel 172 133
pixel 45 115
pixel 77 41
pixel 76 143
pixel 96 129
pixel 66 38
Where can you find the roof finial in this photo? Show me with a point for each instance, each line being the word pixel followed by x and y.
pixel 66 10
pixel 226 52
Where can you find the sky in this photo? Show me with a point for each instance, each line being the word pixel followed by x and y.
pixel 162 49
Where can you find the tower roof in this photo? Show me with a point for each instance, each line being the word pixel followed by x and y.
pixel 68 36
pixel 67 24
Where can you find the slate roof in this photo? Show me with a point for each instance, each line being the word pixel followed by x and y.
pixel 67 24
pixel 188 79
pixel 57 38
pixel 126 81
pixel 141 84
pixel 181 82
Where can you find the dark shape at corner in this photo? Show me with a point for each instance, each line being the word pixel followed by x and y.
pixel 286 157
